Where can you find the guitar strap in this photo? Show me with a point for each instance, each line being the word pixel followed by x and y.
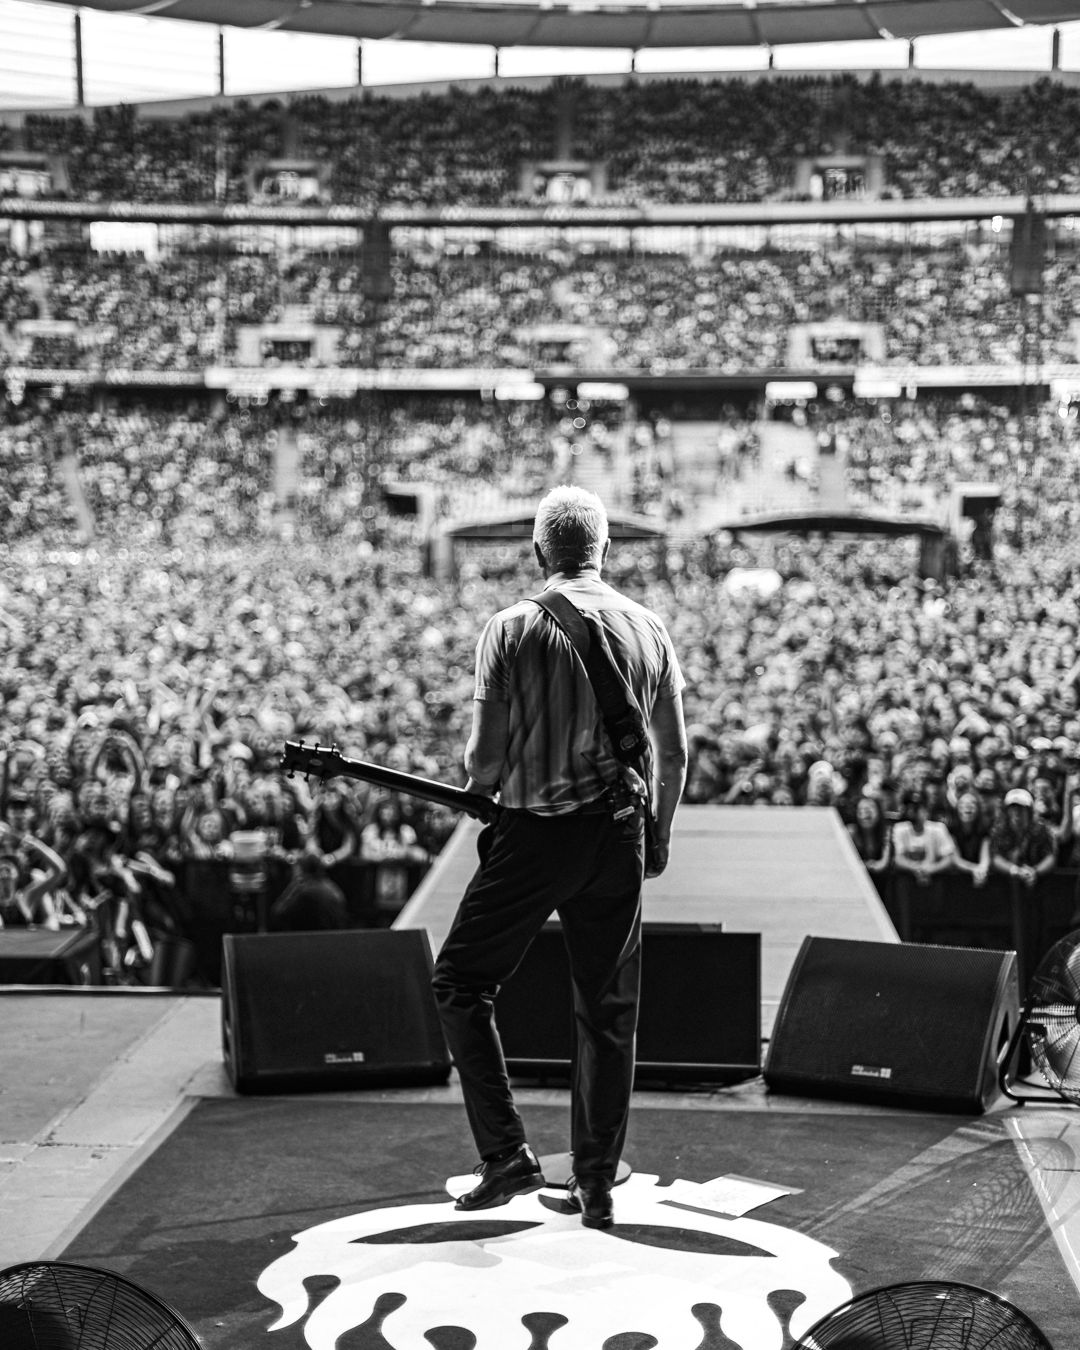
pixel 622 717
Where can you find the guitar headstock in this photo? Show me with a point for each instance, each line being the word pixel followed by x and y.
pixel 320 760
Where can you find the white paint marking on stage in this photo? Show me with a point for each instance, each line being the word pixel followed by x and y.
pixel 1047 1134
pixel 665 1271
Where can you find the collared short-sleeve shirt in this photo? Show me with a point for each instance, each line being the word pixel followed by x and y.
pixel 558 755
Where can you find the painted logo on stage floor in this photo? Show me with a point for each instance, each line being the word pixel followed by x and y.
pixel 673 1274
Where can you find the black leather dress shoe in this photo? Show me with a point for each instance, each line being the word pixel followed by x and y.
pixel 592 1196
pixel 500 1181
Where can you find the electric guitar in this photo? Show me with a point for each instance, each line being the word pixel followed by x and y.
pixel 325 761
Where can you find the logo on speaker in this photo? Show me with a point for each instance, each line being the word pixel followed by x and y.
pixel 672 1273
pixel 878 1071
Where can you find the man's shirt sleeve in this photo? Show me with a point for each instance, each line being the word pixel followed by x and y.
pixel 672 682
pixel 492 667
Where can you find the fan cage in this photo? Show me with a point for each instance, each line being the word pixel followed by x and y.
pixel 59 1305
pixel 925 1315
pixel 1053 1017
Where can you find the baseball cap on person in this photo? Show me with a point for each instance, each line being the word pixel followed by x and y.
pixel 1019 797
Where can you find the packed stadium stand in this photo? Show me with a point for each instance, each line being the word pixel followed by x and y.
pixel 263 363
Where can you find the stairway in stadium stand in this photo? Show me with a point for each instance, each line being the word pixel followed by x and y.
pixel 286 472
pixel 69 473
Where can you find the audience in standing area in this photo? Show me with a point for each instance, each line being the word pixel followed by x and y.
pixel 189 577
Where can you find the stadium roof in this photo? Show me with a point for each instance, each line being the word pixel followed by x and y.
pixel 634 24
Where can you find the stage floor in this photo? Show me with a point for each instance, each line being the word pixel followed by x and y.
pixel 94 1084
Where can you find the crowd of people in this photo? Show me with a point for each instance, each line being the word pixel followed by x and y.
pixel 189 580
pixel 148 690
pixel 931 301
pixel 660 139
pixel 170 470
pixel 146 702
pixel 176 470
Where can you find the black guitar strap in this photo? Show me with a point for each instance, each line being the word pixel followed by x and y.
pixel 623 721
pixel 622 717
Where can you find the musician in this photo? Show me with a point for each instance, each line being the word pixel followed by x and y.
pixel 561 842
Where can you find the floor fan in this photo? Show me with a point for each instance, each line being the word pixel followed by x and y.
pixel 55 1305
pixel 927 1315
pixel 1050 1025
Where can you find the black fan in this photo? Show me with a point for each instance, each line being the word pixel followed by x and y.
pixel 929 1315
pixel 54 1305
pixel 1050 1022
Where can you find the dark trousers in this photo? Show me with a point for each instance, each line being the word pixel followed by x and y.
pixel 588 869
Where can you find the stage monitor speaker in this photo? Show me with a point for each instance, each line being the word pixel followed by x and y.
pixel 346 1009
pixel 894 1023
pixel 39 956
pixel 699 1018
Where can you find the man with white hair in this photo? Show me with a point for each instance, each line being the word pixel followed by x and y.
pixel 567 840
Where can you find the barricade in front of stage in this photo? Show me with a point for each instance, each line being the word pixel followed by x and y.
pixel 210 899
pixel 1002 915
pixel 218 899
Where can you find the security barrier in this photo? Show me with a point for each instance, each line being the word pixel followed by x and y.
pixel 1002 915
pixel 219 898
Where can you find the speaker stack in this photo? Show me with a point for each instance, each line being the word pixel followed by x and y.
pixel 354 1008
pixel 344 1009
pixel 699 1018
pixel 901 1024
pixel 894 1024
pixel 40 956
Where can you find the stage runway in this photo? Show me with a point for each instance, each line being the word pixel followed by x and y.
pixel 783 872
pixel 101 1094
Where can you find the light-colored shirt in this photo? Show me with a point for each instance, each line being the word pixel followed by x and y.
pixel 933 845
pixel 558 756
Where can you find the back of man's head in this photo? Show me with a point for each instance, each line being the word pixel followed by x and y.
pixel 571 529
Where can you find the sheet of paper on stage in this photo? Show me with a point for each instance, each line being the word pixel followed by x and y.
pixel 732 1195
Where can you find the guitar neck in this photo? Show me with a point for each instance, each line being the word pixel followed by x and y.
pixel 326 765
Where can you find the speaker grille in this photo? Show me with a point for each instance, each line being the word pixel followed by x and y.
pixel 894 1022
pixel 700 1012
pixel 338 1009
pixel 39 956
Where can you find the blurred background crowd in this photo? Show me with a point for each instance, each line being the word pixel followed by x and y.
pixel 662 140
pixel 940 299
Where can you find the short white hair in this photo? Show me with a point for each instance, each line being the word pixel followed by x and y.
pixel 571 528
